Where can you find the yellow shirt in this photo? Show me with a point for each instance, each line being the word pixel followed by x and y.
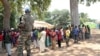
pixel 67 33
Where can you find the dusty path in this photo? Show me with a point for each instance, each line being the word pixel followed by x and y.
pixel 89 47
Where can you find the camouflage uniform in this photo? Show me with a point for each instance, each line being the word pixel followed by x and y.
pixel 25 35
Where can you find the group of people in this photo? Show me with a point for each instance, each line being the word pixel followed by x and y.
pixel 8 38
pixel 43 37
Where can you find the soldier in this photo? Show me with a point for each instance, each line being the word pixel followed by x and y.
pixel 25 26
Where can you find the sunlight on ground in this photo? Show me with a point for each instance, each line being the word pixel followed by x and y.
pixel 89 47
pixel 86 48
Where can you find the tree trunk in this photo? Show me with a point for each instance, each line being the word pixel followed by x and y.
pixel 6 19
pixel 74 12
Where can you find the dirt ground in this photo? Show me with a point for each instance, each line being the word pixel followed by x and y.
pixel 90 47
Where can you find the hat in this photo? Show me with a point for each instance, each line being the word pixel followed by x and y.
pixel 12 28
pixel 27 10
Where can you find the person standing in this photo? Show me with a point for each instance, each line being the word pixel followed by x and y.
pixel 67 32
pixel 25 27
pixel 7 41
pixel 35 38
pixel 42 40
pixel 83 32
pixel 53 37
pixel 76 32
pixel 13 36
pixel 87 33
pixel 1 40
pixel 80 32
pixel 59 38
pixel 62 33
pixel 47 42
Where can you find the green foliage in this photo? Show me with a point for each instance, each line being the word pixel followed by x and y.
pixel 88 2
pixel 1 17
pixel 13 20
pixel 58 18
pixel 62 18
pixel 39 7
pixel 17 9
pixel 84 18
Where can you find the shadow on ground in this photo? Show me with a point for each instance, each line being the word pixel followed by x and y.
pixel 89 47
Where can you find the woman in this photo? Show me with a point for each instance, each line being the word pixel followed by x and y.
pixel 42 40
pixel 53 38
pixel 47 42
pixel 67 32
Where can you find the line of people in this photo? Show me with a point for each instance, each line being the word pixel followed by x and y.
pixel 44 38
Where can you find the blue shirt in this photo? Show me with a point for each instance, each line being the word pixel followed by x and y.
pixel 76 31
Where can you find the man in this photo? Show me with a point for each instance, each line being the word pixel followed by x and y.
pixel 76 32
pixel 25 26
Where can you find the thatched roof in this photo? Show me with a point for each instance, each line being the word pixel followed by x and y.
pixel 38 24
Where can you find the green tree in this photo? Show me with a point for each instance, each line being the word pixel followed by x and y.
pixel 83 17
pixel 6 16
pixel 1 16
pixel 74 9
pixel 58 18
pixel 38 6
pixel 64 18
pixel 48 17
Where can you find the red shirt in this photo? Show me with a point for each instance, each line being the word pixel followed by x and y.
pixel 47 32
pixel 59 35
pixel 53 34
pixel 13 34
pixel 1 37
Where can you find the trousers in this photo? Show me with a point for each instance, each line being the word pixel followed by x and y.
pixel 8 48
pixel 24 41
